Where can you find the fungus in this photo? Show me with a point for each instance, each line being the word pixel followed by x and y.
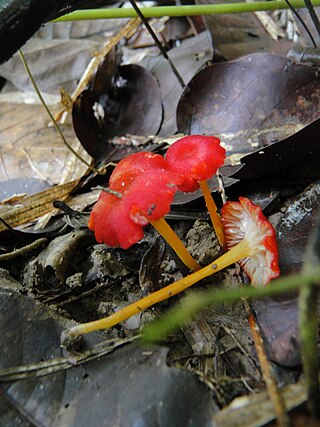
pixel 252 242
pixel 198 158
pixel 141 191
pixel 129 168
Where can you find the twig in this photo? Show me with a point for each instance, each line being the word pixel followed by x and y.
pixel 158 43
pixel 293 10
pixel 271 385
pixel 313 15
pixel 57 364
pixel 22 251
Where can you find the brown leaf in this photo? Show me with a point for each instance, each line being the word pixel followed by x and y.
pixel 256 100
pixel 236 35
pixel 132 105
pixel 29 148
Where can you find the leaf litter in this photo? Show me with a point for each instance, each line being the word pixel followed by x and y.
pixel 217 344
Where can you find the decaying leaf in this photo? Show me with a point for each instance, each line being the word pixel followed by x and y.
pixel 255 100
pixel 32 207
pixel 29 148
pixel 293 160
pixel 278 317
pixel 236 35
pixel 130 385
pixel 188 58
pixel 129 103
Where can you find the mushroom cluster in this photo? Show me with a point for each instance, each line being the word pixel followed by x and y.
pixel 142 187
pixel 251 241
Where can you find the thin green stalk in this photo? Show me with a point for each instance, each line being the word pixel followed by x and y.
pixel 194 303
pixel 206 9
pixel 58 129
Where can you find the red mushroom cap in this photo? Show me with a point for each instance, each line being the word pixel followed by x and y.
pixel 132 166
pixel 150 195
pixel 119 221
pixel 111 223
pixel 197 157
pixel 245 220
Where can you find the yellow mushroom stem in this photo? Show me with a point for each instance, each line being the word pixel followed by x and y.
pixel 215 217
pixel 173 240
pixel 241 250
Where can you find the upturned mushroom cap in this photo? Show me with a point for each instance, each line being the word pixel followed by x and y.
pixel 119 221
pixel 129 168
pixel 244 220
pixel 197 157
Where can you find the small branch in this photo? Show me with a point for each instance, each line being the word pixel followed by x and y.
pixel 274 393
pixel 158 43
pixel 23 251
pixel 313 15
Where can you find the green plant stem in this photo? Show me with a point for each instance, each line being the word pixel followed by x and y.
pixel 193 304
pixel 206 9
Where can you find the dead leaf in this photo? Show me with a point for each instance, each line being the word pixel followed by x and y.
pixel 129 385
pixel 236 35
pixel 188 59
pixel 29 148
pixel 32 207
pixel 278 317
pixel 53 63
pixel 131 105
pixel 257 100
pixel 293 160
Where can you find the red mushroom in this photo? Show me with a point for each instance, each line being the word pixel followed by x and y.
pixel 252 242
pixel 251 235
pixel 129 168
pixel 140 193
pixel 198 157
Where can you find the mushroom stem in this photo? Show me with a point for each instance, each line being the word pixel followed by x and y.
pixel 241 250
pixel 173 240
pixel 212 208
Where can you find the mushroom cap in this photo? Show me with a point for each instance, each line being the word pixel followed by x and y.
pixel 119 221
pixel 197 157
pixel 111 223
pixel 129 168
pixel 150 195
pixel 245 220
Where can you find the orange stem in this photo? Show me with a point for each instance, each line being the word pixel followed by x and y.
pixel 215 217
pixel 177 245
pixel 241 250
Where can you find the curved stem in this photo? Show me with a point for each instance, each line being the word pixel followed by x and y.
pixel 212 208
pixel 187 10
pixel 173 240
pixel 241 250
